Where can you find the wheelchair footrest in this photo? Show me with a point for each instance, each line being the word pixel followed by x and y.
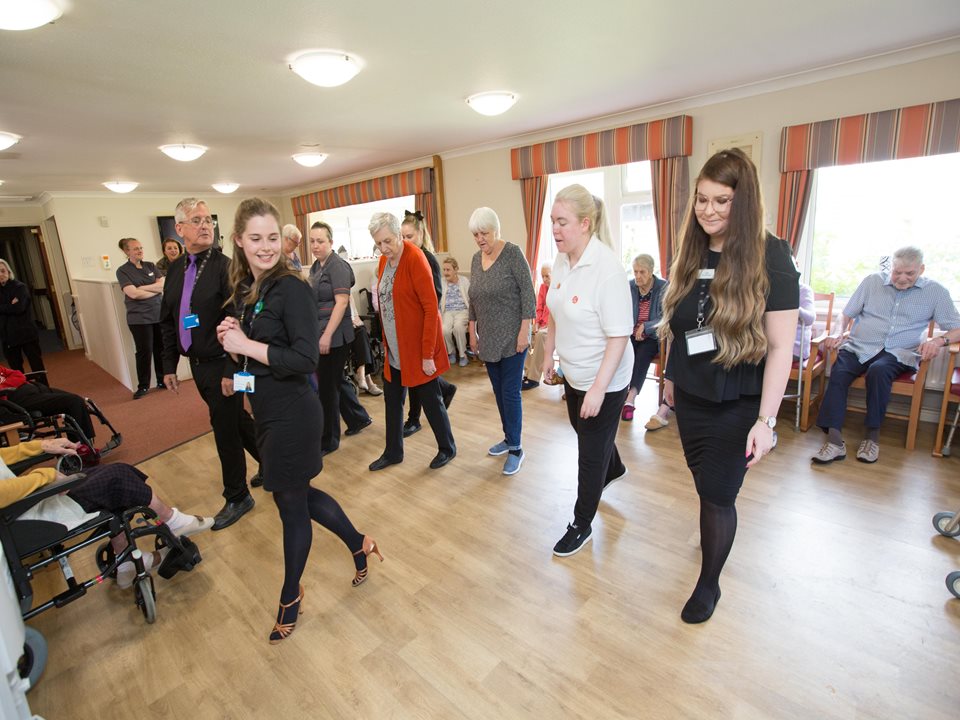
pixel 69 595
pixel 183 555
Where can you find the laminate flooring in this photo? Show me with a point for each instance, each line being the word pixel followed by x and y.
pixel 834 604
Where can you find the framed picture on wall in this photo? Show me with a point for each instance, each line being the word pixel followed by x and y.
pixel 167 226
pixel 750 143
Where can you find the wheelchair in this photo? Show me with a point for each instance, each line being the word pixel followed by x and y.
pixel 375 331
pixel 30 545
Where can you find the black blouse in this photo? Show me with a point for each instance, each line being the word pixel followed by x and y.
pixel 696 374
pixel 287 322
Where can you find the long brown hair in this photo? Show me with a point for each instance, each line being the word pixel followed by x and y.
pixel 239 267
pixel 739 288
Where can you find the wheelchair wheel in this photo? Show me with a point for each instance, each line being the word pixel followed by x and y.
pixel 941 520
pixel 105 558
pixel 146 598
pixel 953 583
pixel 34 659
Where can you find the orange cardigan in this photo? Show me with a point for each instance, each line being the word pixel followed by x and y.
pixel 419 327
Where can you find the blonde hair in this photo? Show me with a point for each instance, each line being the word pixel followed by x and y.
pixel 738 292
pixel 584 205
pixel 420 226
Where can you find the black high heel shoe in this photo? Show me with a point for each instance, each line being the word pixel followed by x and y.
pixel 282 630
pixel 369 546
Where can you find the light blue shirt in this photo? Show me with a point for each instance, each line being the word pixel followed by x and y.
pixel 896 320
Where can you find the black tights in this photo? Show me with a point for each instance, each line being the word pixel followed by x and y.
pixel 718 526
pixel 297 508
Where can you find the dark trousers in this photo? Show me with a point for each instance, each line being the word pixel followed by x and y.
pixel 31 349
pixel 506 377
pixel 880 370
pixel 644 351
pixel 394 394
pixel 415 405
pixel 51 401
pixel 354 414
pixel 233 430
pixel 329 375
pixel 598 459
pixel 148 342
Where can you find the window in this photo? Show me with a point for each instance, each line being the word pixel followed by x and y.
pixel 350 223
pixel 627 193
pixel 860 214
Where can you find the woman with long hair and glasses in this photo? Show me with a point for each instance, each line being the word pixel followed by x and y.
pixel 730 313
pixel 275 342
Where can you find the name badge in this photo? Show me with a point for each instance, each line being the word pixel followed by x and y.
pixel 705 274
pixel 243 382
pixel 191 321
pixel 700 341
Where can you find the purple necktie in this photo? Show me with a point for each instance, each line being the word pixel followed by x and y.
pixel 189 278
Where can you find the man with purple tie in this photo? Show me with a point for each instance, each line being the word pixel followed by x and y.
pixel 196 288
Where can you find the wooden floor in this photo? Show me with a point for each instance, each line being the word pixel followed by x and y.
pixel 834 604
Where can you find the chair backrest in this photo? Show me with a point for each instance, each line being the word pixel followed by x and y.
pixel 828 297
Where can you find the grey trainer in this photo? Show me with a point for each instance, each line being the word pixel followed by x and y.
pixel 868 452
pixel 830 452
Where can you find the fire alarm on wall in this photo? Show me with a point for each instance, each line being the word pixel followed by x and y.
pixel 105 259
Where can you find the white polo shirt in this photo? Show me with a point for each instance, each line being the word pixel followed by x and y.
pixel 590 303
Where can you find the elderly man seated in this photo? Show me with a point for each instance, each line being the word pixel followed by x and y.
pixel 892 311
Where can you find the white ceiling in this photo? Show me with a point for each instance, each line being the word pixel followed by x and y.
pixel 96 92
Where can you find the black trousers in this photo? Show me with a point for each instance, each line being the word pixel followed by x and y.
pixel 394 394
pixel 233 430
pixel 598 460
pixel 415 405
pixel 148 342
pixel 15 353
pixel 329 375
pixel 51 401
pixel 354 414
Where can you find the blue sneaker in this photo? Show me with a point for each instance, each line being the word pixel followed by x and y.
pixel 513 463
pixel 501 448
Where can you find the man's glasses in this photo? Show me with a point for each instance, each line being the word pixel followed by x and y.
pixel 200 221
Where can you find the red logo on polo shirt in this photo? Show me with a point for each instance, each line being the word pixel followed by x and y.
pixel 574 299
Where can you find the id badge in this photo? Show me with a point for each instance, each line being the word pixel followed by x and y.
pixel 191 321
pixel 243 382
pixel 700 341
pixel 705 274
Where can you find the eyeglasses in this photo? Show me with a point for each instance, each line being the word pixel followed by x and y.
pixel 720 205
pixel 200 221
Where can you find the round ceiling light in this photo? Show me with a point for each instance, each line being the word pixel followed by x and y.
pixel 8 140
pixel 492 103
pixel 326 68
pixel 28 15
pixel 183 152
pixel 225 188
pixel 310 159
pixel 119 186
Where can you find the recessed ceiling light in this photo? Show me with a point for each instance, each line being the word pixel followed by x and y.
pixel 492 103
pixel 310 159
pixel 119 186
pixel 225 188
pixel 27 14
pixel 326 68
pixel 1 182
pixel 183 152
pixel 8 140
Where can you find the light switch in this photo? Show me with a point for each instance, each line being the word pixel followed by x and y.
pixel 104 221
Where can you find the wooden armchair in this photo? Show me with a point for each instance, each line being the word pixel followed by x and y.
pixel 951 393
pixel 814 369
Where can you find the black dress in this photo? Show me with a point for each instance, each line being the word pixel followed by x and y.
pixel 284 404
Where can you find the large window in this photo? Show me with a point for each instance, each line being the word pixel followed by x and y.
pixel 860 214
pixel 627 194
pixel 350 223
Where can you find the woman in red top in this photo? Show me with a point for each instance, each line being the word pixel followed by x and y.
pixel 534 363
pixel 413 338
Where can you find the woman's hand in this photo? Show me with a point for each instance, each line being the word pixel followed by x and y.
pixel 58 446
pixel 548 371
pixel 592 402
pixel 324 344
pixel 228 323
pixel 523 341
pixel 759 442
pixel 668 393
pixel 429 367
pixel 232 337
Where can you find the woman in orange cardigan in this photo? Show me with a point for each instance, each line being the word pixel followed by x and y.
pixel 413 337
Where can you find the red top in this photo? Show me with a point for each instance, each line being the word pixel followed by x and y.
pixel 11 379
pixel 543 314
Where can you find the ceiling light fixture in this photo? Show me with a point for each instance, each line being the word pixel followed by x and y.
pixel 326 68
pixel 225 188
pixel 28 15
pixel 492 103
pixel 183 152
pixel 310 159
pixel 8 140
pixel 120 186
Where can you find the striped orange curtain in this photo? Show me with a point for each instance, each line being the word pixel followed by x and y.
pixel 794 202
pixel 426 204
pixel 534 193
pixel 671 190
pixel 304 249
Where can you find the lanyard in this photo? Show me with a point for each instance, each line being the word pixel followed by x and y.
pixel 257 308
pixel 196 279
pixel 702 301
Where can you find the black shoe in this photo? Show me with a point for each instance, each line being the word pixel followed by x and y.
pixel 448 395
pixel 256 480
pixel 161 386
pixel 441 459
pixel 410 427
pixel 383 461
pixel 232 511
pixel 573 540
pixel 326 451
pixel 698 611
pixel 359 428
pixel 140 393
pixel 529 384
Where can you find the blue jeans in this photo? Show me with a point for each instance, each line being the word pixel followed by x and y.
pixel 506 377
pixel 880 370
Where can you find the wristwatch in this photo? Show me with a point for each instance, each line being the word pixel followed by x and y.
pixel 946 340
pixel 768 420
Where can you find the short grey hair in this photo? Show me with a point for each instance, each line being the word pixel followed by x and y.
pixel 484 219
pixel 645 260
pixel 910 255
pixel 185 207
pixel 9 271
pixel 291 231
pixel 381 220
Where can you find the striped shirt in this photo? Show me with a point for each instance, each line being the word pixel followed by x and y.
pixel 896 320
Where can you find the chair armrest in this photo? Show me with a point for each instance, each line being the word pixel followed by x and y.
pixel 19 507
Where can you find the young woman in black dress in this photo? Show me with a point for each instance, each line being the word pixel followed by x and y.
pixel 275 338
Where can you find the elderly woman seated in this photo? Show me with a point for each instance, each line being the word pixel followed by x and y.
pixel 114 488
pixel 454 302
